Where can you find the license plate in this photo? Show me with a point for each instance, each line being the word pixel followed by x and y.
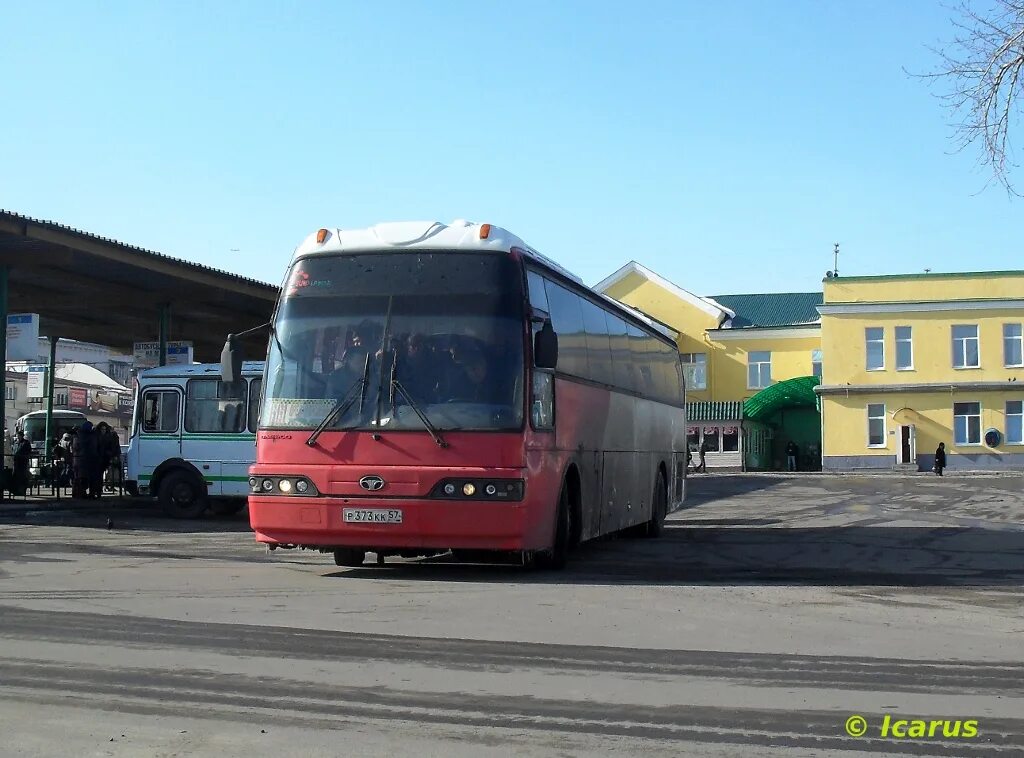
pixel 372 516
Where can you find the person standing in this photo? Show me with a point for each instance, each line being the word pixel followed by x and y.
pixel 87 463
pixel 22 457
pixel 792 452
pixel 940 458
pixel 702 451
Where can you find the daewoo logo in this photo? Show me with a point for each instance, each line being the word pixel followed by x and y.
pixel 371 483
pixel 275 436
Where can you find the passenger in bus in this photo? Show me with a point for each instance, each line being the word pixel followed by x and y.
pixel 471 382
pixel 418 370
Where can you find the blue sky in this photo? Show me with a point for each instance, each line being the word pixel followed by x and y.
pixel 724 145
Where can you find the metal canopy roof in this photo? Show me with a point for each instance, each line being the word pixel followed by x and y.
pixel 792 393
pixel 96 289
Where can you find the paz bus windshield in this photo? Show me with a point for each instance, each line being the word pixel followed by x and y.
pixel 441 332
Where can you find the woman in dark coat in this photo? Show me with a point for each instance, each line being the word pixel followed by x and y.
pixel 22 457
pixel 940 458
pixel 86 454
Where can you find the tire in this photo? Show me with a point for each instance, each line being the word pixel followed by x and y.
pixel 557 556
pixel 659 507
pixel 227 507
pixel 182 495
pixel 349 556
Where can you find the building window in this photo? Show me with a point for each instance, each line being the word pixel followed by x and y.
pixel 965 346
pixel 876 425
pixel 759 369
pixel 816 363
pixel 1015 422
pixel 730 439
pixel 60 396
pixel 695 370
pixel 693 438
pixel 967 423
pixel 711 439
pixel 1013 345
pixel 11 392
pixel 904 348
pixel 874 346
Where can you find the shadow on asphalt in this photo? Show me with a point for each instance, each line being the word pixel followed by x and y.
pixel 124 514
pixel 722 550
pixel 745 554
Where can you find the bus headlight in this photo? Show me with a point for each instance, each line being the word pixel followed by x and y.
pixel 479 489
pixel 290 485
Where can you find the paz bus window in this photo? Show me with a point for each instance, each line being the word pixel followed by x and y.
pixel 160 412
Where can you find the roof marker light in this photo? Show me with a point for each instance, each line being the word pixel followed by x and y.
pixel 485 230
pixel 321 236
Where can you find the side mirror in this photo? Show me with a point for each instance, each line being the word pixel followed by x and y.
pixel 231 361
pixel 545 347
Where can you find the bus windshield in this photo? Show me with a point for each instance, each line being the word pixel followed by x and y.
pixel 35 427
pixel 443 330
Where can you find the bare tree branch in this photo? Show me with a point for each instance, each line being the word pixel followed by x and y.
pixel 980 73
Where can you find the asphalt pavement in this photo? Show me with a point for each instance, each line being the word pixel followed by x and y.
pixel 773 610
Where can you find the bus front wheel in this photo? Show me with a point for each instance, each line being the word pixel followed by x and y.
pixel 558 555
pixel 182 495
pixel 350 557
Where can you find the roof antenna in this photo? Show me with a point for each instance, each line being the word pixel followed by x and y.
pixel 835 261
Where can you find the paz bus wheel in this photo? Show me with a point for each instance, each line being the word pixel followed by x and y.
pixel 350 557
pixel 182 495
pixel 659 507
pixel 558 555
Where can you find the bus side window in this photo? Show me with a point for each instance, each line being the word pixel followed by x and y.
pixel 160 412
pixel 255 389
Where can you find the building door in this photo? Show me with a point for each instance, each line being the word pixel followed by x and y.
pixel 908 447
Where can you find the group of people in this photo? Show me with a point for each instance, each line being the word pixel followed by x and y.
pixel 429 372
pixel 78 460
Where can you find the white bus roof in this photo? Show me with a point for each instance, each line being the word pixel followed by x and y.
pixel 249 368
pixel 459 235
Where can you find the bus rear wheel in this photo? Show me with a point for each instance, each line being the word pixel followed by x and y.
pixel 182 495
pixel 659 507
pixel 558 555
pixel 348 556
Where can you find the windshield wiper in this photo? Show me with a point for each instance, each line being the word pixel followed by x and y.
pixel 397 385
pixel 342 407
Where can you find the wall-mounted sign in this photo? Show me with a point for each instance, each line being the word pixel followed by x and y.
pixel 147 354
pixel 23 337
pixel 78 397
pixel 36 382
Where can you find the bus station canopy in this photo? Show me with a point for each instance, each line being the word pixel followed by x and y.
pixel 792 393
pixel 95 289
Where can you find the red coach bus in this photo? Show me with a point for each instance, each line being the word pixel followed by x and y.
pixel 432 388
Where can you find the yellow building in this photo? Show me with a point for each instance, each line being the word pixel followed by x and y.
pixel 733 347
pixel 919 359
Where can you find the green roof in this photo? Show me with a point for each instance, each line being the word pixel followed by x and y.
pixel 792 393
pixel 772 308
pixel 709 410
pixel 925 275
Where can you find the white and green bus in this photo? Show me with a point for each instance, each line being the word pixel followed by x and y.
pixel 194 437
